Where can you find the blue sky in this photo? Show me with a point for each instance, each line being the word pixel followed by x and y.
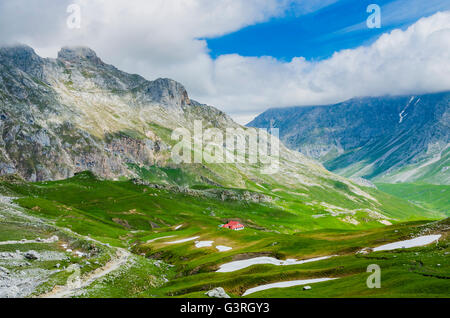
pixel 316 35
pixel 247 65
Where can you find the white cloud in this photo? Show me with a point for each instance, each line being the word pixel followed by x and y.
pixel 402 12
pixel 416 60
pixel 157 38
pixel 162 38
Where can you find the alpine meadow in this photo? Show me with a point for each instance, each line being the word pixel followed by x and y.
pixel 310 177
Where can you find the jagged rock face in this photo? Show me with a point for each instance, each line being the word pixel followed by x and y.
pixel 62 116
pixel 221 194
pixel 23 58
pixel 78 54
pixel 74 113
pixel 166 92
pixel 390 139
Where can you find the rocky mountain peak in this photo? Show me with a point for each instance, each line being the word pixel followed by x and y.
pixel 78 54
pixel 23 57
pixel 19 50
pixel 167 92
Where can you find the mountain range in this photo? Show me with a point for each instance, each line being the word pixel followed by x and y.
pixel 63 116
pixel 385 139
pixel 88 183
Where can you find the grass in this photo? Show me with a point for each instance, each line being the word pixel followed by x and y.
pixel 316 243
pixel 429 196
pixel 139 276
pixel 129 215
pixel 419 272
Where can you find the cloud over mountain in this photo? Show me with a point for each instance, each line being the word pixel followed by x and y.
pixel 165 39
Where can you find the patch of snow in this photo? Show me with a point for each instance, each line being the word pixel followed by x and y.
pixel 199 244
pixel 184 240
pixel 160 238
pixel 286 284
pixel 402 115
pixel 418 241
pixel 238 265
pixel 223 248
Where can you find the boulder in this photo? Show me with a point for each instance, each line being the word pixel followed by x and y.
pixel 218 292
pixel 31 255
pixel 365 251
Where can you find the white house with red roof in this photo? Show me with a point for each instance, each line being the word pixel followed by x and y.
pixel 233 225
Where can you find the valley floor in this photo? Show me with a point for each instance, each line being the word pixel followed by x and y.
pixel 84 237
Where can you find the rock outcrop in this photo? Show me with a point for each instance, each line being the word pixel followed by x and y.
pixel 218 292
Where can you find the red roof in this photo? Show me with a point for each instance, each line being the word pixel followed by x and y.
pixel 233 225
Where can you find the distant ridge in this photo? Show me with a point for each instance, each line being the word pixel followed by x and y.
pixel 389 139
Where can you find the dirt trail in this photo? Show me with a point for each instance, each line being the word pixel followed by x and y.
pixel 118 259
pixel 68 290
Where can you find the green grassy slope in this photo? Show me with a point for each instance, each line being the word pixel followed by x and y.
pixel 429 196
pixel 110 209
pixel 419 272
pixel 144 219
pixel 409 273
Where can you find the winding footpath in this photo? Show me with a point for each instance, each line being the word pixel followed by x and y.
pixel 121 258
pixel 118 259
